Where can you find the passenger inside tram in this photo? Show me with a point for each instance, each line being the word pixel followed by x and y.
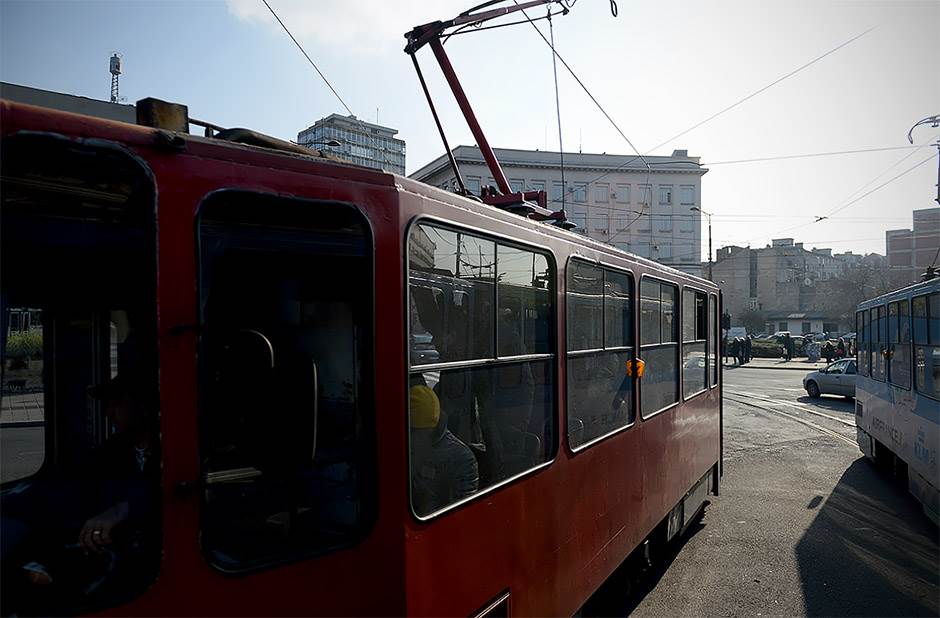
pixel 444 469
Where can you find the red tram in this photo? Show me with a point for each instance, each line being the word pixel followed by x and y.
pixel 355 394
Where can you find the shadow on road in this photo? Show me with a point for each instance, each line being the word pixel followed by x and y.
pixel 836 403
pixel 870 551
pixel 629 585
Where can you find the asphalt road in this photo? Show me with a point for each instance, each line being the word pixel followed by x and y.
pixel 804 525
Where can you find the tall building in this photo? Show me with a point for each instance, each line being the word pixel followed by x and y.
pixel 362 143
pixel 913 250
pixel 611 198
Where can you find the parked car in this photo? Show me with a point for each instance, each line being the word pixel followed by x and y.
pixel 837 378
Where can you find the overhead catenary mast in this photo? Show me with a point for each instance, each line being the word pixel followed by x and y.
pixel 115 72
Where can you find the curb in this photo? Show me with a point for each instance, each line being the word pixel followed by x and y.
pixel 730 367
pixel 11 424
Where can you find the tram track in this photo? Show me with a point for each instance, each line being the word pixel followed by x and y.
pixel 740 399
pixel 799 406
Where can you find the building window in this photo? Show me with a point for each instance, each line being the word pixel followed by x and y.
pixel 665 250
pixel 645 194
pixel 623 194
pixel 665 194
pixel 782 326
pixel 659 387
pixel 580 192
pixel 494 420
pixel 537 185
pixel 687 195
pixel 805 327
pixel 694 339
pixel 579 218
pixel 600 343
pixel 600 222
pixel 601 193
pixel 926 314
pixel 558 190
pixel 473 184
pixel 517 185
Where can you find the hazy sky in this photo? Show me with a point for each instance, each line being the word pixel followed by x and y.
pixel 658 68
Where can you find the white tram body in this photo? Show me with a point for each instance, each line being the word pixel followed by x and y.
pixel 897 393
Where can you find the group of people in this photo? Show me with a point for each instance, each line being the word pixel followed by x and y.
pixel 739 349
pixel 838 351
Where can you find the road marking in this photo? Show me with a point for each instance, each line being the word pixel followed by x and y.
pixel 797 419
pixel 794 404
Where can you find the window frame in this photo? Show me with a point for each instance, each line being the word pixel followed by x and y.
pixel 894 339
pixel 714 329
pixel 512 242
pixel 682 343
pixel 929 342
pixel 371 485
pixel 676 343
pixel 604 268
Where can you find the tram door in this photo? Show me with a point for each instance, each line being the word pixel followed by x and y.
pixel 286 404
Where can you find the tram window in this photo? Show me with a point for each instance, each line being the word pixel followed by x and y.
pixel 453 277
pixel 600 393
pixel 878 349
pixel 899 350
pixel 861 352
pixel 22 396
pixel 713 338
pixel 585 306
pixel 286 410
pixel 524 305
pixel 659 387
pixel 618 309
pixel 474 426
pixel 926 339
pixel 79 444
pixel 694 334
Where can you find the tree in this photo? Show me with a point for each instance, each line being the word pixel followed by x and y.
pixel 753 320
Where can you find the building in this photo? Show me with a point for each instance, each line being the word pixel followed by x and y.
pixel 611 198
pixel 362 143
pixel 785 282
pixel 68 102
pixel 912 251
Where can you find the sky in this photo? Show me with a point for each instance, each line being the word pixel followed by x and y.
pixel 658 68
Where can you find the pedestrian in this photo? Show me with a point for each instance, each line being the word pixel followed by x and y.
pixel 734 349
pixel 840 348
pixel 787 346
pixel 828 351
pixel 740 341
pixel 748 349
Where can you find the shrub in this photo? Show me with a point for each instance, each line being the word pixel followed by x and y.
pixel 26 345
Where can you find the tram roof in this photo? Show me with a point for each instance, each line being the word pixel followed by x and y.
pixel 916 289
pixel 133 134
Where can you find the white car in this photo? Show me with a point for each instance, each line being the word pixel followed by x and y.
pixel 836 379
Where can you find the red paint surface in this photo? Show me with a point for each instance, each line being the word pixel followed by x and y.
pixel 550 537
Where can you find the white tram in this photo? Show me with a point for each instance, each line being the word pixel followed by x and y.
pixel 897 393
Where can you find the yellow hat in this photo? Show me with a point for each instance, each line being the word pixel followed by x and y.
pixel 425 408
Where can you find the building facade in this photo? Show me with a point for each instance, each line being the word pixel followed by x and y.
pixel 362 143
pixel 785 282
pixel 612 198
pixel 911 251
pixel 68 102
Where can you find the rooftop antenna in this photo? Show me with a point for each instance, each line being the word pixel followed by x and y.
pixel 115 73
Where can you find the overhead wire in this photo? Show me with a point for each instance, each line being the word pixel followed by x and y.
pixel 764 88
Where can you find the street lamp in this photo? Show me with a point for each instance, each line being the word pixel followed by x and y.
pixel 933 121
pixel 709 215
